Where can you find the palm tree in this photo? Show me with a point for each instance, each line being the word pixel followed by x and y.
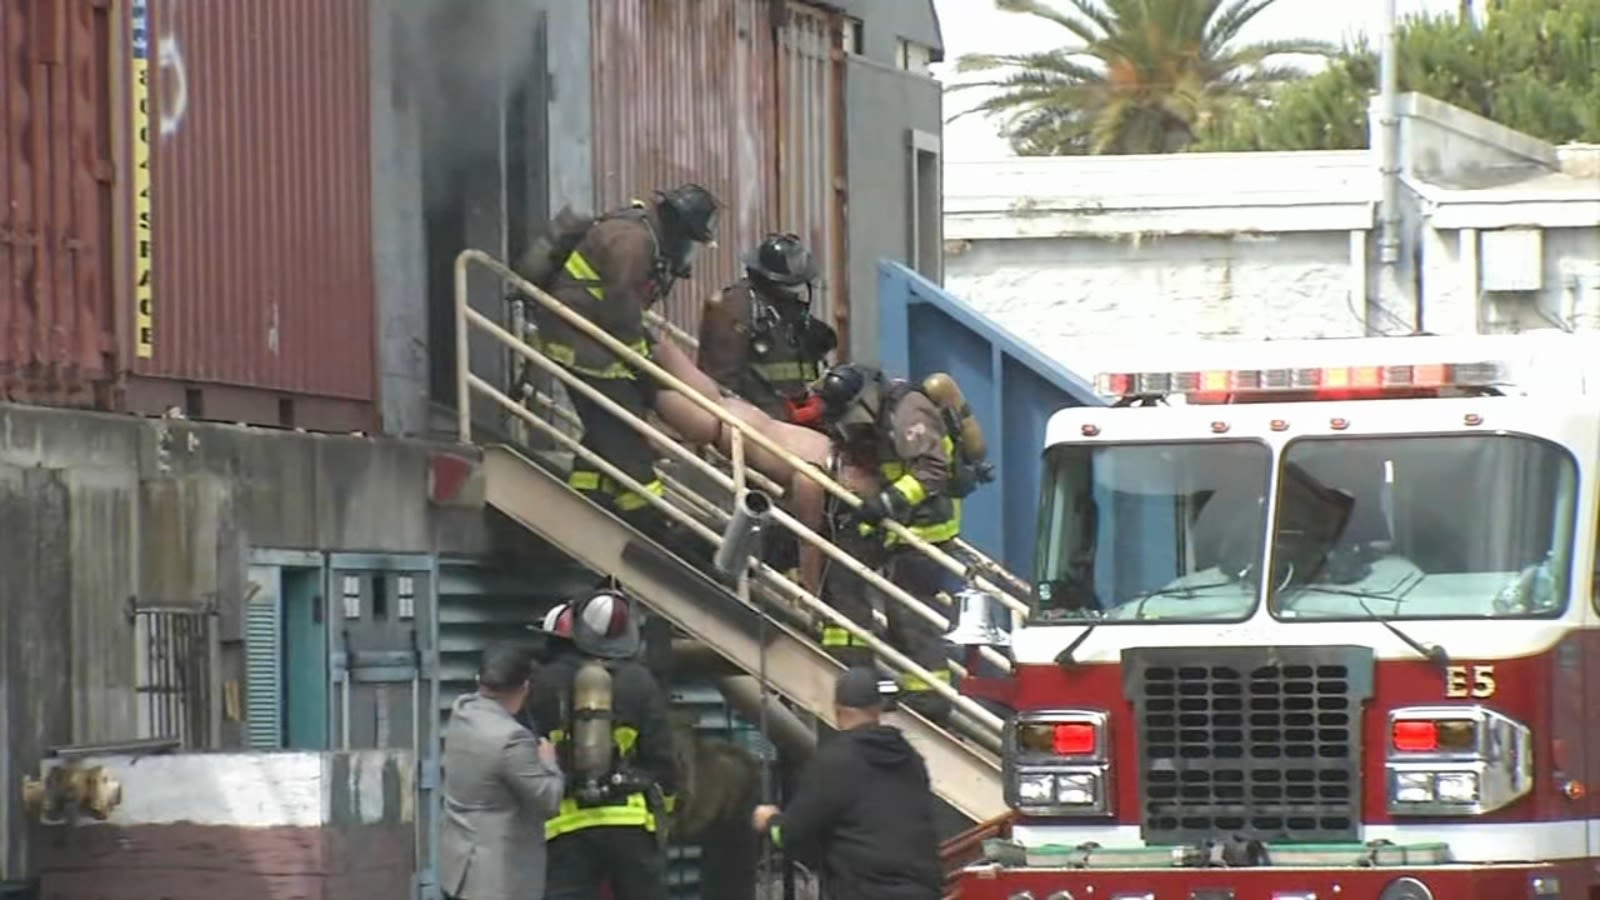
pixel 1148 77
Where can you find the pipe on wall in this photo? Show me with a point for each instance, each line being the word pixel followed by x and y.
pixel 790 735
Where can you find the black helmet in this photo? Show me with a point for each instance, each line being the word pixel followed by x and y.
pixel 850 395
pixel 691 208
pixel 781 259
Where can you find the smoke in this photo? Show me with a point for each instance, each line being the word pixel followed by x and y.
pixel 459 58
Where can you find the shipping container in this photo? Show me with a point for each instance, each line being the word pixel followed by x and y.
pixel 57 320
pixel 252 270
pixel 185 215
pixel 729 94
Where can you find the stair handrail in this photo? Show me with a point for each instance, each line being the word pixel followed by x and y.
pixel 968 573
pixel 665 442
pixel 883 650
pixel 978 556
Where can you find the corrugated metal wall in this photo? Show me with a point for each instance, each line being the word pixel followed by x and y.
pixel 811 186
pixel 700 92
pixel 57 324
pixel 261 246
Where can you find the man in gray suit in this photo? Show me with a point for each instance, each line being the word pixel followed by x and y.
pixel 500 785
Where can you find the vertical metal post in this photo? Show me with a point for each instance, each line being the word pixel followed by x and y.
pixel 213 679
pixel 463 364
pixel 1390 290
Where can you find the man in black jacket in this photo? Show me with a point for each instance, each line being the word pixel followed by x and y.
pixel 863 813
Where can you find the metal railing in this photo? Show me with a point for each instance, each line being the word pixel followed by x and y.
pixel 178 656
pixel 468 319
pixel 989 565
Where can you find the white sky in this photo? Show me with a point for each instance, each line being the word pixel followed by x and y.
pixel 971 26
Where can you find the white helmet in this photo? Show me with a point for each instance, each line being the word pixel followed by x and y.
pixel 603 625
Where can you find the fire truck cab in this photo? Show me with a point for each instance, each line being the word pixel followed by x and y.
pixel 1313 620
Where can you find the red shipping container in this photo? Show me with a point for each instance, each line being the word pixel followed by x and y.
pixel 257 249
pixel 185 209
pixel 57 321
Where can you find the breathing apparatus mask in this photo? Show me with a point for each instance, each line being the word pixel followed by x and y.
pixel 688 217
pixel 851 398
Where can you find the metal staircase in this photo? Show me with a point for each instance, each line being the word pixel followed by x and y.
pixel 765 623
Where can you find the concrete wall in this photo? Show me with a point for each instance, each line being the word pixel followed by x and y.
pixel 1105 252
pixel 885 105
pixel 242 827
pixel 1066 291
pixel 101 509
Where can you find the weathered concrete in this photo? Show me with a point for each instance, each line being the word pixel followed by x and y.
pixel 254 826
pixel 98 509
pixel 1067 292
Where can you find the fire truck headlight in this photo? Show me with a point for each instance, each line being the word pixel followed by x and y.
pixel 1413 787
pixel 1057 762
pixel 1485 764
pixel 1456 787
pixel 1077 789
pixel 1037 790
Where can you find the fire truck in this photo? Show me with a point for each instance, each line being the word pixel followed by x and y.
pixel 1312 620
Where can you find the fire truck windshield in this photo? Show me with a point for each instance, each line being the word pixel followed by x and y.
pixel 1136 532
pixel 1441 526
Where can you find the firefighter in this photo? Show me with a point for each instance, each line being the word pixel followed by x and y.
pixel 623 263
pixel 607 717
pixel 897 431
pixel 758 338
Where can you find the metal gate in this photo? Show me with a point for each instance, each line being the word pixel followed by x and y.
pixel 384 674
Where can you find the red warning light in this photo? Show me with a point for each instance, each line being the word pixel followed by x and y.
pixel 1074 739
pixel 1416 736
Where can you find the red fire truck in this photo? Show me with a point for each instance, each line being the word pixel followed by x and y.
pixel 1313 620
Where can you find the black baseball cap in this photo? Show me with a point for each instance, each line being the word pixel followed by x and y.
pixel 857 688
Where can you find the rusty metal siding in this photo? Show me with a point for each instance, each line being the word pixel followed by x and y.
pixel 683 92
pixel 261 200
pixel 57 324
pixel 811 153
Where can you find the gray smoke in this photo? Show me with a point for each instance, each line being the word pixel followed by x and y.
pixel 460 57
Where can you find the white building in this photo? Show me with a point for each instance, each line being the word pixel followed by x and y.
pixel 1500 233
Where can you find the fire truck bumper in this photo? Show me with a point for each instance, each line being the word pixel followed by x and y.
pixel 1558 881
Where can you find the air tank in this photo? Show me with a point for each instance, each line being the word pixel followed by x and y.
pixel 942 387
pixel 591 720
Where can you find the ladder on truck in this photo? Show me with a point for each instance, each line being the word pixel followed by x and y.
pixel 765 630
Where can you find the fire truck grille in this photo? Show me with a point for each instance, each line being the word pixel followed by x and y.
pixel 1258 742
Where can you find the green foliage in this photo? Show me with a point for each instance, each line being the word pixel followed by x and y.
pixel 1534 66
pixel 1143 76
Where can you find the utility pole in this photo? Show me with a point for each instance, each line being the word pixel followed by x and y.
pixel 1392 295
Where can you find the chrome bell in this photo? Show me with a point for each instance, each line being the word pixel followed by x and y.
pixel 981 620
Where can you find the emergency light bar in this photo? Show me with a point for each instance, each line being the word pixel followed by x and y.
pixel 1338 380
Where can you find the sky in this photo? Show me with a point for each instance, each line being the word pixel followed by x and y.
pixel 974 26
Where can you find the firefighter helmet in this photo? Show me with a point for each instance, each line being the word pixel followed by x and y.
pixel 558 621
pixel 782 260
pixel 850 395
pixel 603 625
pixel 691 208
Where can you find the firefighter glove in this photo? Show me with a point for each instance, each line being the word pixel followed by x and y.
pixel 872 511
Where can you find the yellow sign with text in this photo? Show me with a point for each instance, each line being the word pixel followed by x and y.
pixel 143 234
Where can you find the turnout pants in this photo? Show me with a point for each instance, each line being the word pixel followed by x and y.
pixel 627 859
pixel 915 636
pixel 852 597
pixel 620 444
